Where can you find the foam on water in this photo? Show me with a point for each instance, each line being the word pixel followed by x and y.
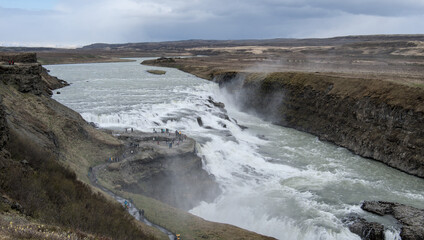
pixel 288 185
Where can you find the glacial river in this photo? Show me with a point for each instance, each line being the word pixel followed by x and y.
pixel 288 185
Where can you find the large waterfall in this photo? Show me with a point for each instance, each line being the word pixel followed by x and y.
pixel 276 181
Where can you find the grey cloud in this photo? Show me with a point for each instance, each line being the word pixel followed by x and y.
pixel 84 22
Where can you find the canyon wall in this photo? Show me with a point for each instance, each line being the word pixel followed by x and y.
pixel 374 119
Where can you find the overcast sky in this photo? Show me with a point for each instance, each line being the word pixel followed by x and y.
pixel 82 22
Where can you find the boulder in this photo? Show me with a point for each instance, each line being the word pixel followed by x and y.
pixel 199 121
pixel 216 104
pixel 366 230
pixel 412 219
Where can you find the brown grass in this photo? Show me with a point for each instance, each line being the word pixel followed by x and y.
pixel 51 193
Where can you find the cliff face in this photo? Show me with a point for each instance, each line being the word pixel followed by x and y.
pixel 18 57
pixel 374 119
pixel 30 114
pixel 27 76
pixel 4 132
pixel 172 175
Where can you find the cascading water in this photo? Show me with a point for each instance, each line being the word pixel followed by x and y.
pixel 276 181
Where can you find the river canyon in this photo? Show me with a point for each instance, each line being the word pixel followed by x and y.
pixel 275 181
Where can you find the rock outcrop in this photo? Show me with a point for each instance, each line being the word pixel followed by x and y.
pixel 4 132
pixel 172 175
pixel 366 230
pixel 18 57
pixel 412 219
pixel 32 116
pixel 375 119
pixel 28 76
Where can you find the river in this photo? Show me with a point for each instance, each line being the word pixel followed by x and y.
pixel 288 184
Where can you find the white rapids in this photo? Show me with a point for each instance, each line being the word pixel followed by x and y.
pixel 287 184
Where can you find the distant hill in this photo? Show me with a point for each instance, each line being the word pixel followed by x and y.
pixel 196 43
pixel 148 46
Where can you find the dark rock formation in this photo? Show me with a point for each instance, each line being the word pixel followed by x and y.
pixel 374 119
pixel 30 78
pixel 412 219
pixel 165 60
pixel 178 181
pixel 18 57
pixel 366 230
pixel 172 175
pixel 4 131
pixel 51 81
pixel 199 121
pixel 216 104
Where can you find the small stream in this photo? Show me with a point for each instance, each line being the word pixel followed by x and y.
pixel 135 212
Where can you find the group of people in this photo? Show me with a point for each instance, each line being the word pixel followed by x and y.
pixel 114 159
pixel 178 136
pixel 126 129
pixel 11 62
pixel 162 130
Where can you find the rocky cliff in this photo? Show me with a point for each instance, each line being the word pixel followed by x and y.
pixel 375 119
pixel 28 76
pixel 18 57
pixel 45 152
pixel 32 115
pixel 172 175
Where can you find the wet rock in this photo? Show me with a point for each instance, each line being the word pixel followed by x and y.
pixel 261 136
pixel 199 121
pixel 412 219
pixel 242 127
pixel 366 230
pixel 224 116
pixel 377 207
pixel 216 104
pixel 57 92
pixel 94 125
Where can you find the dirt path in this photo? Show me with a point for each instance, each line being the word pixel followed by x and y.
pixel 135 212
